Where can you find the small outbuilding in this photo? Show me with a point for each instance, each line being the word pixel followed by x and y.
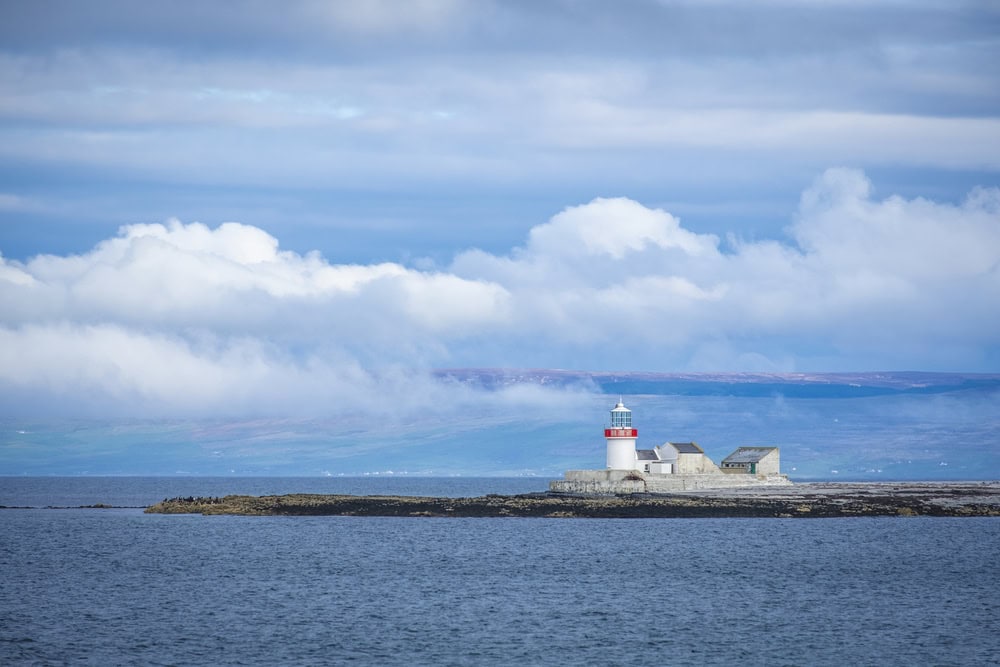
pixel 645 457
pixel 753 461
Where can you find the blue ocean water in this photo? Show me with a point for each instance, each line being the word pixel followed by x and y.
pixel 88 586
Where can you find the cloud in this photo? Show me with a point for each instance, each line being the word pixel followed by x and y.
pixel 188 318
pixel 380 130
pixel 9 202
pixel 585 230
pixel 109 370
pixel 388 93
pixel 918 240
pixel 234 276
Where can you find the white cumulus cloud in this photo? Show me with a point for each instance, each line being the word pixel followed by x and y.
pixel 188 318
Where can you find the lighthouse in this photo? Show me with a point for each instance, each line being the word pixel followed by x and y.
pixel 621 439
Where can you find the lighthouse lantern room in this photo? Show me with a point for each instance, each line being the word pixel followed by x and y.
pixel 621 439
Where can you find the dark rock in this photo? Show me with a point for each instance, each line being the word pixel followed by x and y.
pixel 801 500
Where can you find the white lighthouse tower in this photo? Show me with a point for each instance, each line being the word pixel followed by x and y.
pixel 621 439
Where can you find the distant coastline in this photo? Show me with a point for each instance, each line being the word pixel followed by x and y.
pixel 741 384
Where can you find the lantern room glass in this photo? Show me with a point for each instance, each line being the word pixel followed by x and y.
pixel 621 417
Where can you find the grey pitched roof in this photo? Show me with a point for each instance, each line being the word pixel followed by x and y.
pixel 686 448
pixel 748 454
pixel 646 455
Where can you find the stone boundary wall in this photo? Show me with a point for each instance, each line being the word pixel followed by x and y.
pixel 629 481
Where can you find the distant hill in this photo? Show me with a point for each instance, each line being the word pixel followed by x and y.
pixel 791 385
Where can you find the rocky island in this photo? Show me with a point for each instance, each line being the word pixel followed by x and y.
pixel 957 499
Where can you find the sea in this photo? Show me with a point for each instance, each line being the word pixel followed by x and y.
pixel 86 586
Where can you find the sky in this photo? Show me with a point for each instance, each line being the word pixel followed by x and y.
pixel 246 206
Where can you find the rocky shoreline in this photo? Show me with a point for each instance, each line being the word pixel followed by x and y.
pixel 819 500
